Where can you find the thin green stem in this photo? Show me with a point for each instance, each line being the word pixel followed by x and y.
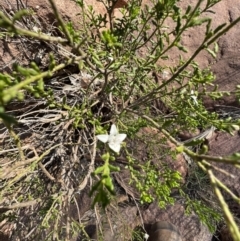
pixel 214 38
pixel 227 213
pixel 25 32
pixel 60 22
pixel 11 92
pixel 195 156
pixel 184 66
pixel 206 165
pixel 17 142
pixel 177 37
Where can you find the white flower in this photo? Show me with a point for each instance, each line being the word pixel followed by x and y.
pixel 194 97
pixel 165 75
pixel 146 236
pixel 110 58
pixel 114 139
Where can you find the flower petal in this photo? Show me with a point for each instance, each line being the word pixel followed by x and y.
pixel 146 236
pixel 194 99
pixel 103 138
pixel 113 130
pixel 115 146
pixel 120 137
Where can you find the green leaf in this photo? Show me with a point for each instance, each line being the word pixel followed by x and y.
pixel 114 168
pixel 80 65
pixel 178 26
pixel 182 48
pixel 95 188
pixel 212 53
pixel 188 10
pixel 218 28
pixel 203 150
pixel 216 48
pixel 8 120
pixel 109 185
pixel 198 21
pixel 194 142
pixel 99 170
pixel 167 123
pixel 235 127
pixel 18 15
pixel 106 157
pixel 180 149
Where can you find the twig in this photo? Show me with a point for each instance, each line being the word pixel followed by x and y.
pixel 228 216
pixel 46 172
pixel 206 166
pixel 225 188
pixel 68 220
pixel 42 166
pixel 218 169
pixel 91 166
pixel 32 34
pixel 60 21
pixel 42 120
pixel 18 143
pixel 13 149
pixel 11 92
pixel 207 134
pixel 193 155
pixel 77 206
pixel 20 205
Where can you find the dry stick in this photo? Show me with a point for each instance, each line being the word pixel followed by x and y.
pixel 48 38
pixel 42 120
pixel 109 222
pixel 19 205
pixel 56 225
pixel 31 231
pixel 41 165
pixel 31 160
pixel 140 215
pixel 64 128
pixel 75 150
pixel 38 159
pixel 68 220
pixel 44 111
pixel 91 166
pixel 233 228
pixel 46 172
pixel 98 218
pixel 17 176
pixel 13 149
pixel 78 211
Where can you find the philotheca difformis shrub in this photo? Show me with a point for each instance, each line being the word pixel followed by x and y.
pixel 93 80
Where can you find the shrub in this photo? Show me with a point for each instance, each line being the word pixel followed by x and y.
pixel 117 85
